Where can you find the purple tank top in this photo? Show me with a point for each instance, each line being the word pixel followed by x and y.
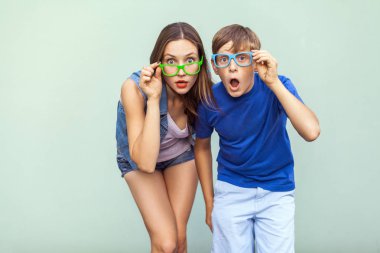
pixel 175 142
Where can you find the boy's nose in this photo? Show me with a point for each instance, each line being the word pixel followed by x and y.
pixel 233 66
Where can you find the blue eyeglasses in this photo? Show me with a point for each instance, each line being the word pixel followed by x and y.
pixel 242 59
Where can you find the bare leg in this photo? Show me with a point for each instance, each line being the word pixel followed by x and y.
pixel 150 194
pixel 181 182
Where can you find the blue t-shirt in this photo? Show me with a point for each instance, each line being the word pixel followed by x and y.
pixel 254 144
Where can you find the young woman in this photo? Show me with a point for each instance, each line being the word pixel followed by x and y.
pixel 156 115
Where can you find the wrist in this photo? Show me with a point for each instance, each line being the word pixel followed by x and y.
pixel 153 100
pixel 275 83
pixel 209 204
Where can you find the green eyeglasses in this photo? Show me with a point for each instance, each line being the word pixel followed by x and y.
pixel 190 69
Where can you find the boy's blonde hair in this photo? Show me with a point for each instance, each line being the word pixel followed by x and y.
pixel 240 36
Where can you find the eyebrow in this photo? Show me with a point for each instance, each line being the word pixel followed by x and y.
pixel 170 55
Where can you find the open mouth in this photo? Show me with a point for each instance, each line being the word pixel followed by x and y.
pixel 181 84
pixel 234 84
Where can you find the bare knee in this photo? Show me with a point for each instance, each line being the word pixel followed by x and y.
pixel 165 245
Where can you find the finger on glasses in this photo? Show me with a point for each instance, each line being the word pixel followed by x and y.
pixel 264 58
pixel 263 53
pixel 151 67
pixel 146 72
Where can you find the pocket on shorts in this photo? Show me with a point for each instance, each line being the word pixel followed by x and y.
pixel 219 189
pixel 216 186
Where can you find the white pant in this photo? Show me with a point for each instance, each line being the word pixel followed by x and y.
pixel 245 217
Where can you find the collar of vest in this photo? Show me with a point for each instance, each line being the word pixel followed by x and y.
pixel 163 100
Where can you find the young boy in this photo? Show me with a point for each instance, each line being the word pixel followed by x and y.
pixel 252 204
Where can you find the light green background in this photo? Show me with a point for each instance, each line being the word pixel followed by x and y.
pixel 61 67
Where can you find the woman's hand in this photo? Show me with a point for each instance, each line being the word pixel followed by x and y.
pixel 150 81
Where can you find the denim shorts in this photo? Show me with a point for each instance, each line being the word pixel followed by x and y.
pixel 184 157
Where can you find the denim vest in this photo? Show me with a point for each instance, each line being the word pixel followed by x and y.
pixel 124 160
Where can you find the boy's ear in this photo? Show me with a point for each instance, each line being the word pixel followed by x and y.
pixel 214 67
pixel 255 67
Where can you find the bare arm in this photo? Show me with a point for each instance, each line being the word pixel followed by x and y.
pixel 302 118
pixel 143 128
pixel 203 161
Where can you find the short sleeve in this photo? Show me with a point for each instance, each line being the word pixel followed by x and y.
pixel 202 127
pixel 291 88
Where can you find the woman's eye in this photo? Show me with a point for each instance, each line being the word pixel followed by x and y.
pixel 190 60
pixel 170 61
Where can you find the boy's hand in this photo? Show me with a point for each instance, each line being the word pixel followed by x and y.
pixel 150 82
pixel 208 217
pixel 266 66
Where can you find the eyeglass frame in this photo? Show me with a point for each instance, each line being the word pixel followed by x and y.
pixel 179 67
pixel 230 57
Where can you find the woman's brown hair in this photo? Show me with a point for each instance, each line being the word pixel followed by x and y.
pixel 201 91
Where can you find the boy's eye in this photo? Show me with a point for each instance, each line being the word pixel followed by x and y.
pixel 224 59
pixel 241 57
